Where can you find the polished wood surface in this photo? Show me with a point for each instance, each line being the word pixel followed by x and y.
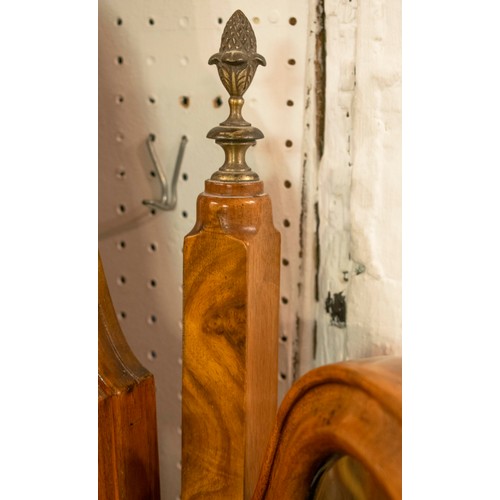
pixel 231 304
pixel 128 449
pixel 351 408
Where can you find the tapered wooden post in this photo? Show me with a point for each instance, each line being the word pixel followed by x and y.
pixel 231 303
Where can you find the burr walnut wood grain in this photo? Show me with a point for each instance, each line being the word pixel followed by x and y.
pixel 128 449
pixel 231 303
pixel 351 408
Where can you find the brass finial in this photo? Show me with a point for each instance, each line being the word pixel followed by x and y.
pixel 236 61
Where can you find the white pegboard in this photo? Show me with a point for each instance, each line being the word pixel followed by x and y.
pixel 154 78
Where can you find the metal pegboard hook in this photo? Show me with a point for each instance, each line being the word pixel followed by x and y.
pixel 168 199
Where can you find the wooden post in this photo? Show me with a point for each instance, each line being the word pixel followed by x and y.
pixel 231 303
pixel 128 447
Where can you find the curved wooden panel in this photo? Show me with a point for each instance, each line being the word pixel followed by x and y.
pixel 351 408
pixel 128 448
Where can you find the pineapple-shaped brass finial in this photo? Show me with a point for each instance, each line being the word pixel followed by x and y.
pixel 236 61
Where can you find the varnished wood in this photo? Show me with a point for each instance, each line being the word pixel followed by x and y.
pixel 231 303
pixel 351 408
pixel 128 449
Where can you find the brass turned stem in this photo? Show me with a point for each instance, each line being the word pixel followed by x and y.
pixel 236 62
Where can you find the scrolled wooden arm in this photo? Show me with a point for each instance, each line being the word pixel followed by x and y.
pixel 351 408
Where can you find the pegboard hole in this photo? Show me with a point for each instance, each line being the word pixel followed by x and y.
pixel 152 319
pixel 123 314
pixel 282 376
pixel 283 338
pixel 288 143
pixel 151 21
pixel 291 62
pixel 152 173
pixel 293 21
pixel 220 20
pixel 152 355
pixel 153 211
pixel 184 214
pixel 152 283
pixel 152 137
pixel 119 137
pixel 122 280
pixel 284 300
pixel 185 177
pixel 285 262
pixel 289 102
pixel 151 99
pixel 119 21
pixel 287 184
pixel 121 209
pixel 122 244
pixel 119 99
pixel 152 247
pixel 120 173
pixel 286 223
pixel 119 60
pixel 218 102
pixel 184 100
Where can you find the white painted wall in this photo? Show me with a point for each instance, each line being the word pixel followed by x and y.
pixel 356 184
pixel 359 179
